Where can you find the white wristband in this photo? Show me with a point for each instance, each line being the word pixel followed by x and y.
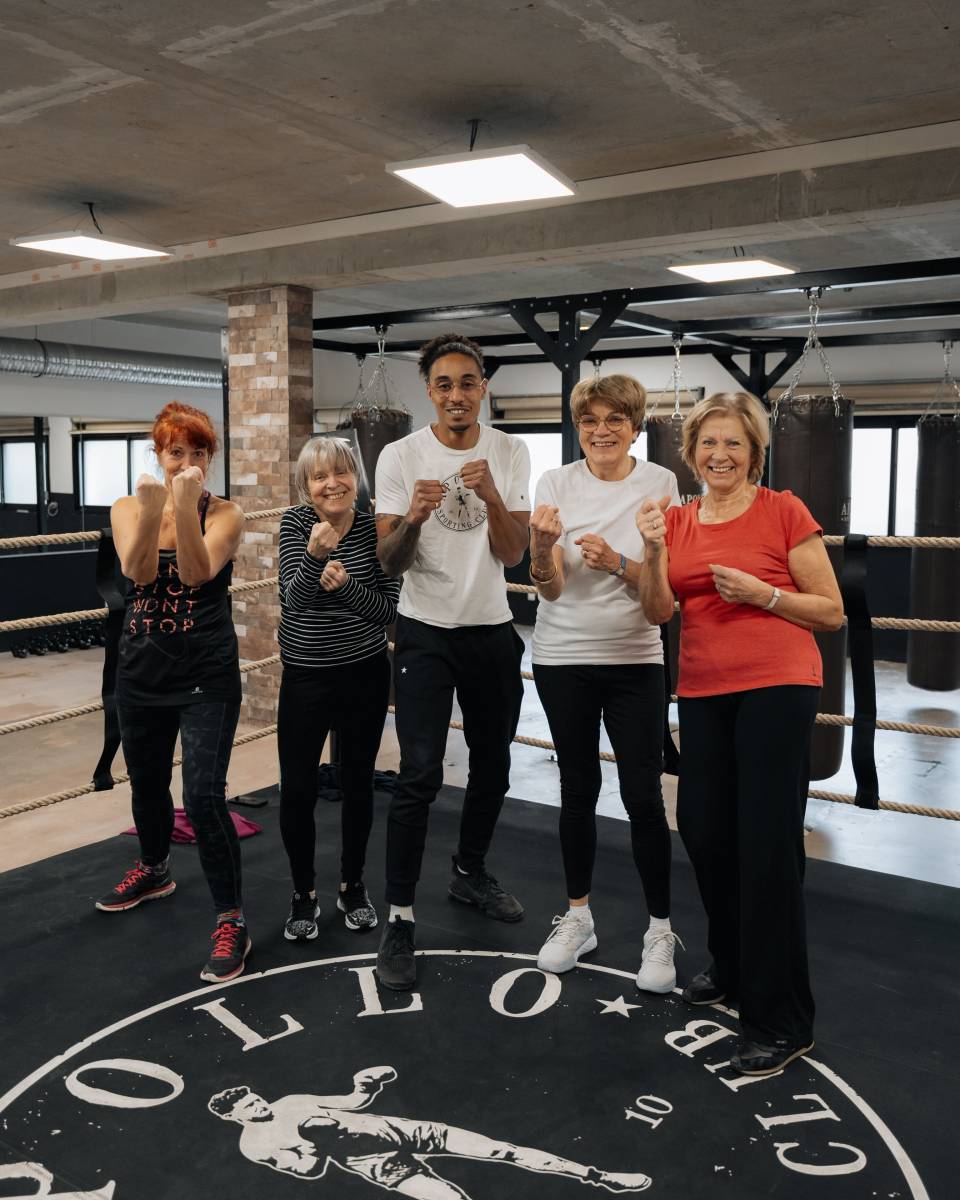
pixel 774 599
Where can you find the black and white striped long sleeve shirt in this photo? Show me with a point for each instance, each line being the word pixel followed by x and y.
pixel 327 629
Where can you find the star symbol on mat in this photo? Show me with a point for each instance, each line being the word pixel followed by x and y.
pixel 403 670
pixel 617 1006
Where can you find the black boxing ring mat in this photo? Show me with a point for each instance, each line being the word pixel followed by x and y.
pixel 491 1079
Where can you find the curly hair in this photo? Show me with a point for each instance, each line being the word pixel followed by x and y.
pixel 176 421
pixel 448 343
pixel 223 1103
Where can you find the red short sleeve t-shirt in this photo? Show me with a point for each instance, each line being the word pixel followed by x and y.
pixel 737 647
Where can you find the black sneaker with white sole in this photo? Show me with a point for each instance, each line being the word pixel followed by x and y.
pixel 140 883
pixel 358 913
pixel 301 925
pixel 231 945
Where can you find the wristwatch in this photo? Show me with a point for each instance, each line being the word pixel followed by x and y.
pixel 622 569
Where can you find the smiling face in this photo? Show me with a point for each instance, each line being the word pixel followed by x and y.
pixel 332 489
pixel 604 447
pixel 179 455
pixel 723 454
pixel 456 388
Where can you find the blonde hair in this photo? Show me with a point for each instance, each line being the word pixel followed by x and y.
pixel 323 453
pixel 623 393
pixel 753 416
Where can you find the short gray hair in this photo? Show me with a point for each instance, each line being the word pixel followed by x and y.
pixel 323 452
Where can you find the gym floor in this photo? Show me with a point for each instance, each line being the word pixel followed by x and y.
pixel 38 762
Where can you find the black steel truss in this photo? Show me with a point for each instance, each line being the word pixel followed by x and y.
pixel 620 313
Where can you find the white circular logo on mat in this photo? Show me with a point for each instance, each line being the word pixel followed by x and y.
pixel 492 1079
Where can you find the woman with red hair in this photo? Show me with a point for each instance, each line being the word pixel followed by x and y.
pixel 179 673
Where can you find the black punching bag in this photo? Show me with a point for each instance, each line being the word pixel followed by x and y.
pixel 665 448
pixel 811 453
pixel 933 659
pixel 373 429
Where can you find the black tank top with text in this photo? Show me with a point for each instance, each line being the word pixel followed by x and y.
pixel 179 645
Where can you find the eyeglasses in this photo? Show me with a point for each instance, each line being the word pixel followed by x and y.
pixel 445 389
pixel 614 422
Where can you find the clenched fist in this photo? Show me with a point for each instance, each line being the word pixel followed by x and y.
pixel 151 493
pixel 187 487
pixel 652 524
pixel 597 554
pixel 545 530
pixel 334 576
pixel 428 495
pixel 476 476
pixel 738 587
pixel 323 539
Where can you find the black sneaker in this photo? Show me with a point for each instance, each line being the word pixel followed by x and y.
pixel 480 889
pixel 396 964
pixel 301 925
pixel 704 988
pixel 140 883
pixel 231 945
pixel 358 913
pixel 754 1058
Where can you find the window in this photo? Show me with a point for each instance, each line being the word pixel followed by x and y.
pixel 18 471
pixel 870 483
pixel 108 466
pixel 884 478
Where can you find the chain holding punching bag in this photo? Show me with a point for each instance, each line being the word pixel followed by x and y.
pixel 377 419
pixel 811 455
pixel 933 659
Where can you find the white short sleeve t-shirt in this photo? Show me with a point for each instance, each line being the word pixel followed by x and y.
pixel 595 619
pixel 455 579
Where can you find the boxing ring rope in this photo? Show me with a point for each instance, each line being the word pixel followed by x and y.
pixel 832 719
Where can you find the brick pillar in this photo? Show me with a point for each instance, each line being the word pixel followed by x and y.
pixel 270 359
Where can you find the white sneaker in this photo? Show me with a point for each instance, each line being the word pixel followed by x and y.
pixel 657 972
pixel 571 937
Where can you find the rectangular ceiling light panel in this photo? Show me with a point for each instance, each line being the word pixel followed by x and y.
pixel 503 176
pixel 738 268
pixel 79 244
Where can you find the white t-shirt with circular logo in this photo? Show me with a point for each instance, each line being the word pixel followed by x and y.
pixel 455 579
pixel 595 619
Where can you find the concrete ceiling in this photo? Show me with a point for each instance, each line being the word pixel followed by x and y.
pixel 250 138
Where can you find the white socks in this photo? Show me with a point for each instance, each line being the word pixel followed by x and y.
pixel 403 911
pixel 660 923
pixel 580 912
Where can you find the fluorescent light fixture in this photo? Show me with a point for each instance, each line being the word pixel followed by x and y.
pixel 78 243
pixel 737 268
pixel 502 176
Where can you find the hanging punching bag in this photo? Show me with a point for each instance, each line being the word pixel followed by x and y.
pixel 665 447
pixel 811 452
pixel 933 659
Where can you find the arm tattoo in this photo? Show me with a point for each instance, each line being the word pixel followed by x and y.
pixel 399 548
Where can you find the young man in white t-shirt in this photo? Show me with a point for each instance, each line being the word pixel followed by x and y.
pixel 452 510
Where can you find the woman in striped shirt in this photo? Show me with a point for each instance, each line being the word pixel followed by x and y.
pixel 335 603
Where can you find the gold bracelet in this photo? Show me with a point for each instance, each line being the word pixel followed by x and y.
pixel 536 578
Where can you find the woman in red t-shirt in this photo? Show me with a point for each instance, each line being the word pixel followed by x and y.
pixel 752 576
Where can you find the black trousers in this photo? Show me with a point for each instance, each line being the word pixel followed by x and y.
pixel 149 735
pixel 351 699
pixel 629 700
pixel 744 774
pixel 482 664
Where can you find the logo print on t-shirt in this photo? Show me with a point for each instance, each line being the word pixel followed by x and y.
pixel 461 509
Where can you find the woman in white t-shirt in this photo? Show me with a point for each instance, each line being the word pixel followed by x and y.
pixel 595 657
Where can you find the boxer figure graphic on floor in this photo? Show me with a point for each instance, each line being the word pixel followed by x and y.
pixel 301 1135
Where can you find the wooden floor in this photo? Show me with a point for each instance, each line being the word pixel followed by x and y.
pixel 38 762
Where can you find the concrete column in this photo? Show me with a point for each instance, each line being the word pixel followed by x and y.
pixel 270 357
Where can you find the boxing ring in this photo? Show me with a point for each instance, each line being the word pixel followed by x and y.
pixel 863 724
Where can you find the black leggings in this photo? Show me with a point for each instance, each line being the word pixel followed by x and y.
pixel 629 700
pixel 744 772
pixel 149 736
pixel 351 699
